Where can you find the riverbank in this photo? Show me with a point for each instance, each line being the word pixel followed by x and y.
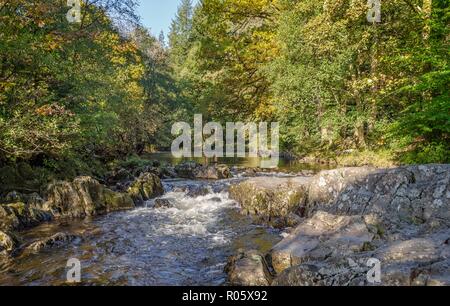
pixel 347 218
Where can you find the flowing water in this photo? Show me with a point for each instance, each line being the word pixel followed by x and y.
pixel 186 244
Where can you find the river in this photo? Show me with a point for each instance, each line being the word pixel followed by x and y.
pixel 186 244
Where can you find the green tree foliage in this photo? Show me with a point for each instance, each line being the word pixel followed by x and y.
pixel 77 90
pixel 105 88
pixel 332 79
pixel 180 38
pixel 233 42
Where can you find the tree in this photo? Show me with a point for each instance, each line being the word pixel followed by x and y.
pixel 180 34
pixel 69 89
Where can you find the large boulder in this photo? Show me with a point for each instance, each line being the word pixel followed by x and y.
pixel 19 216
pixel 116 201
pixel 146 187
pixel 399 216
pixel 417 197
pixel 192 170
pixel 272 199
pixel 417 262
pixel 333 272
pixel 16 217
pixel 327 185
pixel 83 197
pixel 320 237
pixel 248 269
pixel 80 198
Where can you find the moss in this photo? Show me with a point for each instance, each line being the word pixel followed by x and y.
pixel 134 191
pixel 146 187
pixel 297 198
pixel 117 201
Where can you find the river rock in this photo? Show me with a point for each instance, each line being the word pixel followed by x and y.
pixel 320 237
pixel 83 197
pixel 34 200
pixel 163 203
pixel 14 197
pixel 168 172
pixel 290 221
pixel 8 243
pixel 216 200
pixel 327 185
pixel 334 272
pixel 19 216
pixel 389 197
pixel 146 187
pixel 192 170
pixel 399 216
pixel 248 269
pixel 116 201
pixel 404 201
pixel 56 240
pixel 195 191
pixel 271 198
pixel 119 176
pixel 417 262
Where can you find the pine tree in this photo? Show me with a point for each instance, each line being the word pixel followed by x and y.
pixel 162 39
pixel 180 33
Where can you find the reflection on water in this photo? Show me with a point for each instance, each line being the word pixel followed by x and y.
pixel 185 244
pixel 248 162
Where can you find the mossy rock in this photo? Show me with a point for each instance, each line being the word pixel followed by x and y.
pixel 8 220
pixel 146 187
pixel 83 197
pixel 18 216
pixel 116 201
pixel 271 198
pixel 8 243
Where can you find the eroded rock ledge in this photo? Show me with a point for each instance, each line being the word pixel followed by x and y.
pixel 273 200
pixel 400 217
pixel 82 197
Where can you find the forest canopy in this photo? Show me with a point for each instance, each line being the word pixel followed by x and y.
pixel 74 94
pixel 333 80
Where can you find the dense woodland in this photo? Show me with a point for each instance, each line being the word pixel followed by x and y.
pixel 75 97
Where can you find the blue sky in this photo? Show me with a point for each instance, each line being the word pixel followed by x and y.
pixel 158 14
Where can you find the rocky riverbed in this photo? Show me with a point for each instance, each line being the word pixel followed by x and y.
pixel 152 227
pixel 348 217
pixel 211 225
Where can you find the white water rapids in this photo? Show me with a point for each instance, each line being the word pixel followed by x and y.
pixel 185 244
